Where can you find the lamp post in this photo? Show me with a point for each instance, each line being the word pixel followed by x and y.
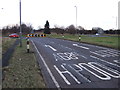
pixel 20 26
pixel 76 19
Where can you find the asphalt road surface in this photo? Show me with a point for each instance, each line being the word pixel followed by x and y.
pixel 68 64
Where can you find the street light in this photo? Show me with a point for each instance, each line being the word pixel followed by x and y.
pixel 20 27
pixel 76 19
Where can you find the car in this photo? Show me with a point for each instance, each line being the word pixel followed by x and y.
pixel 15 35
pixel 97 34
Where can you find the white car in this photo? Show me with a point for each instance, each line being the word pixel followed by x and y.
pixel 97 34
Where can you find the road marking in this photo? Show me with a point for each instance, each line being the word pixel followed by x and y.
pixel 65 47
pixel 50 73
pixel 116 61
pixel 83 56
pixel 51 47
pixel 105 53
pixel 104 61
pixel 66 72
pixel 116 73
pixel 80 46
pixel 52 42
pixel 64 78
pixel 97 54
pixel 96 69
pixel 57 57
pixel 67 56
pixel 77 71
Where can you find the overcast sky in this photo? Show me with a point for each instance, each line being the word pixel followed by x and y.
pixel 90 13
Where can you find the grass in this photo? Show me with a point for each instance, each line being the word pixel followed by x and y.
pixel 110 41
pixel 6 43
pixel 23 71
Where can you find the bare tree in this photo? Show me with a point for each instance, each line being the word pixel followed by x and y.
pixel 80 28
pixel 71 29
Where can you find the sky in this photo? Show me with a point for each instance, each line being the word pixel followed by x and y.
pixel 61 13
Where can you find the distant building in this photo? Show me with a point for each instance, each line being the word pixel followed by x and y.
pixel 99 30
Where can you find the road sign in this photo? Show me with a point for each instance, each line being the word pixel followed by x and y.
pixel 36 35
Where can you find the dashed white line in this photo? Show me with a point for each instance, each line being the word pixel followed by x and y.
pixel 80 46
pixel 97 54
pixel 50 73
pixel 51 47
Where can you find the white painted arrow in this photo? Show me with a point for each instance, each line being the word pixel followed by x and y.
pixel 80 46
pixel 51 47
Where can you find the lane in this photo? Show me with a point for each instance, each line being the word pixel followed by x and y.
pixel 78 65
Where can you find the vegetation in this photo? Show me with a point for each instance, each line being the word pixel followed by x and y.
pixel 23 71
pixel 47 29
pixel 71 29
pixel 6 43
pixel 111 42
pixel 16 29
pixel 108 41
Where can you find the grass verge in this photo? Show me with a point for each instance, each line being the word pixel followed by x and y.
pixel 23 71
pixel 108 41
pixel 6 43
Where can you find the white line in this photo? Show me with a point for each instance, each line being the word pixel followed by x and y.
pixel 65 79
pixel 80 46
pixel 97 70
pixel 104 61
pixel 83 56
pixel 116 61
pixel 108 53
pixel 65 47
pixel 77 71
pixel 51 47
pixel 107 68
pixel 50 73
pixel 97 54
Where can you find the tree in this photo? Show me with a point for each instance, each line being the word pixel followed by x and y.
pixel 16 29
pixel 80 28
pixel 47 29
pixel 71 29
pixel 58 29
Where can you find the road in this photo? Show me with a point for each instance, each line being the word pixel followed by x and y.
pixel 68 64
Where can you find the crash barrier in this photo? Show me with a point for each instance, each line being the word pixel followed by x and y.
pixel 36 35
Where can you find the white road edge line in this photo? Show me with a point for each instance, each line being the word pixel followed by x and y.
pixel 51 47
pixel 80 46
pixel 50 73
